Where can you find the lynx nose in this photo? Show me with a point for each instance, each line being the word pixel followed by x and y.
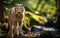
pixel 17 12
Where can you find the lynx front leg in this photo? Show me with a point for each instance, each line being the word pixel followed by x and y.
pixel 20 27
pixel 12 29
pixel 17 28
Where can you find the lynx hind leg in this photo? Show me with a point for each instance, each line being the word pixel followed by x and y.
pixel 10 24
pixel 12 31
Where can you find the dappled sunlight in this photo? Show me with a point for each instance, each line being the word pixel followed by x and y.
pixel 40 19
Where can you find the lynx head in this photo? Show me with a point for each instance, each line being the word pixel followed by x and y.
pixel 19 9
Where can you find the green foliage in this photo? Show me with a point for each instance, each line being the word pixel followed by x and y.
pixel 36 17
pixel 35 7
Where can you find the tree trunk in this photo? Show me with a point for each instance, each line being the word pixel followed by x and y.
pixel 1 11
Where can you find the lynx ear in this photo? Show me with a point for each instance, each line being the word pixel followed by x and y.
pixel 19 5
pixel 22 5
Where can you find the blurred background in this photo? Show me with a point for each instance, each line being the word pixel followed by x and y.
pixel 41 16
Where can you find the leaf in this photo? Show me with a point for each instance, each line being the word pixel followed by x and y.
pixel 6 17
pixel 38 18
pixel 26 22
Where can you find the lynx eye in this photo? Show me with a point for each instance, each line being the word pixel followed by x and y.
pixel 17 9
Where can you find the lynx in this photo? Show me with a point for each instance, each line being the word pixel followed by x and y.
pixel 16 17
